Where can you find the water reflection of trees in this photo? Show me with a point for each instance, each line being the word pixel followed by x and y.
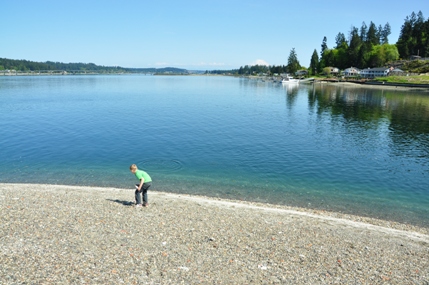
pixel 409 125
pixel 407 112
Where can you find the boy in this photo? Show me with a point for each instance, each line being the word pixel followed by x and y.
pixel 145 182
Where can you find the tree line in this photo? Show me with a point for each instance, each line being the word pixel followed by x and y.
pixel 367 46
pixel 28 66
pixel 414 36
pixel 293 65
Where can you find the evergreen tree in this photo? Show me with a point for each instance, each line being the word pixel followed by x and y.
pixel 292 62
pixel 354 47
pixel 372 38
pixel 369 46
pixel 384 37
pixel 363 57
pixel 425 39
pixel 243 70
pixel 314 62
pixel 363 32
pixel 329 58
pixel 417 33
pixel 405 39
pixel 414 36
pixel 342 57
pixel 324 46
pixel 379 33
pixel 340 39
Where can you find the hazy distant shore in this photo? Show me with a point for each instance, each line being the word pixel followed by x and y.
pixel 66 234
pixel 398 86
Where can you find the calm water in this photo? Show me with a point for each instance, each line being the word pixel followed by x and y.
pixel 354 150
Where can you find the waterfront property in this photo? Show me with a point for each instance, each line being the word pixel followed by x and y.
pixel 397 71
pixel 332 70
pixel 351 72
pixel 302 72
pixel 374 72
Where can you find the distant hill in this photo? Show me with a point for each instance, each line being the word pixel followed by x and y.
pixel 26 66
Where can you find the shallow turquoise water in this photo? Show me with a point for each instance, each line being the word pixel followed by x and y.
pixel 354 150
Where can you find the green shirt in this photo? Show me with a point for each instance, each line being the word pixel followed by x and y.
pixel 141 174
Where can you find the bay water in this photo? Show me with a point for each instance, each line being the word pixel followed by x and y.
pixel 341 148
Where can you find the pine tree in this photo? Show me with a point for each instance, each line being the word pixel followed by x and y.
pixel 384 37
pixel 324 46
pixel 418 33
pixel 413 38
pixel 293 63
pixel 314 62
pixel 372 37
pixel 363 32
pixel 354 47
pixel 340 39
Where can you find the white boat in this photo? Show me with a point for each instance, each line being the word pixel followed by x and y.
pixel 289 79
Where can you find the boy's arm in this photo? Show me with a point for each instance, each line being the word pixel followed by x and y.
pixel 141 184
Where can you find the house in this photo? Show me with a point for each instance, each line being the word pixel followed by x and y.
pixel 396 71
pixel 351 72
pixel 374 72
pixel 302 72
pixel 332 70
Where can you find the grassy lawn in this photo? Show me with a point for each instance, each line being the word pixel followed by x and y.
pixel 416 79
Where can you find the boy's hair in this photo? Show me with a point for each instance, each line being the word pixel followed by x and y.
pixel 133 167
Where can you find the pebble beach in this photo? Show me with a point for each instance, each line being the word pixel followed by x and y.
pixel 54 234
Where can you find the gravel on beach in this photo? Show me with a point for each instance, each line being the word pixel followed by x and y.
pixel 51 234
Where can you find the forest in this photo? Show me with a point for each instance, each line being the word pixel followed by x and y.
pixel 27 66
pixel 367 46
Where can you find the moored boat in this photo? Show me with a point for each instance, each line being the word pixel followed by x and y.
pixel 289 79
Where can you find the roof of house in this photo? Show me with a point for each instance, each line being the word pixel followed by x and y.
pixel 352 68
pixel 376 69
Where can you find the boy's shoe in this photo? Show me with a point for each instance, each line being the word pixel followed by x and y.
pixel 138 205
pixel 146 205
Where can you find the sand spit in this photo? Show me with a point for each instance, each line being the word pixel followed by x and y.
pixel 52 234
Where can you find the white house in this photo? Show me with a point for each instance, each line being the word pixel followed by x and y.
pixel 350 72
pixel 374 72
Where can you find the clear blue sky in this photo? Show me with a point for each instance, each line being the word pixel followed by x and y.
pixel 191 34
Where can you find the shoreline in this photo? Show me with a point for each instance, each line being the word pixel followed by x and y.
pixel 322 214
pixel 376 85
pixel 399 87
pixel 387 86
pixel 72 234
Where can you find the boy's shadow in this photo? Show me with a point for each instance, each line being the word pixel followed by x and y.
pixel 125 203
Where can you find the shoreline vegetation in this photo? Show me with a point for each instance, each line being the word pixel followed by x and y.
pixel 413 82
pixel 28 68
pixel 77 234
